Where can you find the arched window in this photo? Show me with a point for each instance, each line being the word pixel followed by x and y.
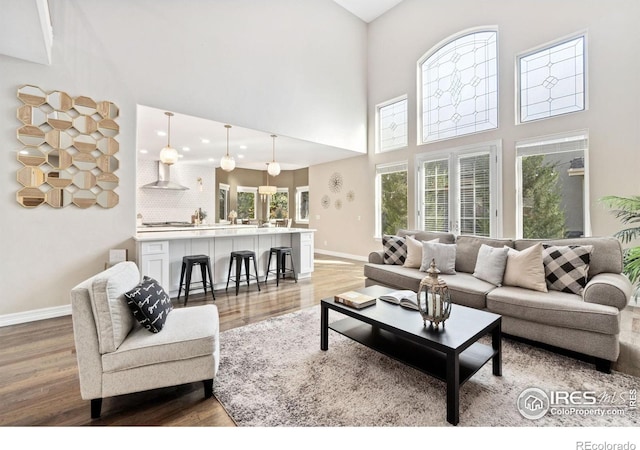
pixel 458 86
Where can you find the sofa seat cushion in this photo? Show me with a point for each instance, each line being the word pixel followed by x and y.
pixel 186 334
pixel 554 308
pixel 395 276
pixel 467 290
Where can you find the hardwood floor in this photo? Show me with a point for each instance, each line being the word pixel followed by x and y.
pixel 38 371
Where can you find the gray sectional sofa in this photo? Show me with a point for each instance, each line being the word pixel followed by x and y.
pixel 588 324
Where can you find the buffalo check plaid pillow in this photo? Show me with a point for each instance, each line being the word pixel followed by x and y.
pixel 395 249
pixel 566 267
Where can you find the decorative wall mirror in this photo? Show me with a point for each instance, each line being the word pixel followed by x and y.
pixel 69 147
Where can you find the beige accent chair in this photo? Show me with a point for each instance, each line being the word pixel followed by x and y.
pixel 118 356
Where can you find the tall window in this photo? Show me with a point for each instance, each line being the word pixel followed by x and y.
pixel 302 204
pixel 551 80
pixel 391 124
pixel 458 86
pixel 279 204
pixel 552 184
pixel 459 190
pixel 223 201
pixel 247 198
pixel 391 198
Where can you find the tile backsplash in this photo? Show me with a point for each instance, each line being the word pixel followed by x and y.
pixel 158 205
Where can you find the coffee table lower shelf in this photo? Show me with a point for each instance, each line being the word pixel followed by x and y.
pixel 418 356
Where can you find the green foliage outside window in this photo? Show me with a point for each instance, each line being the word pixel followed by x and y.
pixel 394 201
pixel 279 206
pixel 542 214
pixel 246 205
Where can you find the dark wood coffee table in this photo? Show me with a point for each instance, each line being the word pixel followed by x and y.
pixel 451 354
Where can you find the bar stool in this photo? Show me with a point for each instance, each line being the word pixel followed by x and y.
pixel 240 257
pixel 281 266
pixel 187 266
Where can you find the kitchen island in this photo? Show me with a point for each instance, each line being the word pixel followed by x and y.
pixel 159 253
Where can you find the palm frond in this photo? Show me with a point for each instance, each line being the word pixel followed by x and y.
pixel 628 235
pixel 627 209
pixel 632 264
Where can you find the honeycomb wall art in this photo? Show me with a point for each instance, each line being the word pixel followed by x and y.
pixel 69 150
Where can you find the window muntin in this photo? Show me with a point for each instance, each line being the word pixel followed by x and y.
pixel 279 204
pixel 551 81
pixel 459 190
pixel 391 125
pixel 302 204
pixel 247 198
pixel 552 187
pixel 458 84
pixel 391 198
pixel 223 201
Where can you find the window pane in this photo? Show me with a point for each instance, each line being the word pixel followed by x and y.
pixel 552 81
pixel 304 205
pixel 392 125
pixel 475 195
pixel 279 206
pixel 436 195
pixel 552 195
pixel 246 205
pixel 460 87
pixel 223 204
pixel 394 201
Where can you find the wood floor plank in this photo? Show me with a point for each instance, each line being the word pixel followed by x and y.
pixel 39 377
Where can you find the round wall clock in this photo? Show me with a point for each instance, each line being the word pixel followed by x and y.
pixel 335 182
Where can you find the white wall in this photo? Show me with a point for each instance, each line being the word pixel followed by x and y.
pixel 295 68
pixel 399 38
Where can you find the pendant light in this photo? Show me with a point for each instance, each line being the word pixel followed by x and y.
pixel 169 155
pixel 273 167
pixel 267 190
pixel 227 162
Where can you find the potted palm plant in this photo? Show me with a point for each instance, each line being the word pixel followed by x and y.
pixel 627 209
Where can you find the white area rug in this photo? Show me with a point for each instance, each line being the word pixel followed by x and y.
pixel 273 373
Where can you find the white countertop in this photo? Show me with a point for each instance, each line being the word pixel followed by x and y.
pixel 155 229
pixel 169 233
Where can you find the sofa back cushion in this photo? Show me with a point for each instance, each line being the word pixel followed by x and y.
pixel 443 238
pixel 468 247
pixel 111 313
pixel 606 256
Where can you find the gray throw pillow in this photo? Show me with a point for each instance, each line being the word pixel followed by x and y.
pixel 491 263
pixel 444 254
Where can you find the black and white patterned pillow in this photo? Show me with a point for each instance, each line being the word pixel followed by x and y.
pixel 395 249
pixel 149 304
pixel 566 268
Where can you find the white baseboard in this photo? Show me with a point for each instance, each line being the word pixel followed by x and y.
pixel 342 255
pixel 34 315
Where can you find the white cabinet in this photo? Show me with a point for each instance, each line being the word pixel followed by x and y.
pixel 303 252
pixel 153 260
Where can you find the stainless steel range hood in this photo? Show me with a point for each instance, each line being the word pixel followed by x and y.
pixel 164 179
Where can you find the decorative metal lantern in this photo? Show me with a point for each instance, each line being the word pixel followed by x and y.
pixel 434 299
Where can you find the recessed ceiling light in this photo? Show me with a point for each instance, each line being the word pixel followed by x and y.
pixel 243 147
pixel 161 133
pixel 240 156
pixel 186 149
pixel 144 152
pixel 205 141
pixel 180 156
pixel 211 160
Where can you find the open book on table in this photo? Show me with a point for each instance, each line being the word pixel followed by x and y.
pixel 406 298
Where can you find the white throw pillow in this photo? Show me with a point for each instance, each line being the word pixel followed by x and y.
pixel 491 263
pixel 414 252
pixel 444 255
pixel 525 269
